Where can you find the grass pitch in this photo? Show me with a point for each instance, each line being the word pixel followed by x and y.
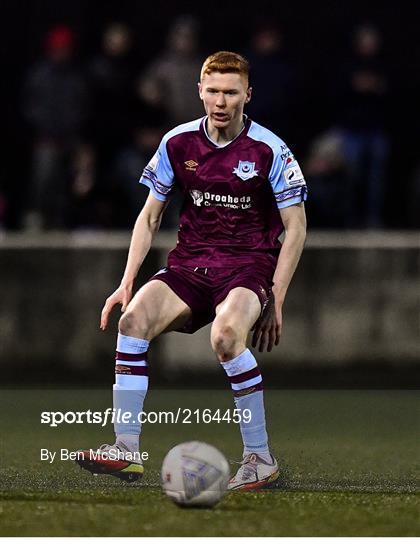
pixel 349 467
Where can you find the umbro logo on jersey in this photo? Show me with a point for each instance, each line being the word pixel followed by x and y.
pixel 245 170
pixel 191 165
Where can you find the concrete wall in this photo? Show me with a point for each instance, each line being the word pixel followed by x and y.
pixel 348 303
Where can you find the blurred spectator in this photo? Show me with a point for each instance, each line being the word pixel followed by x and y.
pixel 111 75
pixel 83 197
pixel 126 171
pixel 171 80
pixel 151 108
pixel 127 195
pixel 326 174
pixel 150 120
pixel 54 104
pixel 273 80
pixel 362 103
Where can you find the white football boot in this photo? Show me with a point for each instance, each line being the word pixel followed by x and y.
pixel 254 473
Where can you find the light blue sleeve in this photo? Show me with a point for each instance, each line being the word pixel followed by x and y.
pixel 286 178
pixel 158 175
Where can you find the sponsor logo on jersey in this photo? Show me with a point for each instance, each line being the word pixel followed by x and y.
pixel 287 155
pixel 294 176
pixel 245 170
pixel 191 165
pixel 206 198
pixel 285 152
pixel 197 196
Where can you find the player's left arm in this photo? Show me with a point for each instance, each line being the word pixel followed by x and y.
pixel 268 331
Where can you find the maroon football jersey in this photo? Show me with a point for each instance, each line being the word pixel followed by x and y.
pixel 232 193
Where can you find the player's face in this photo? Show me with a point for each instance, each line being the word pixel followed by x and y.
pixel 224 96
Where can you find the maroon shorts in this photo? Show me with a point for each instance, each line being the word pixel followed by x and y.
pixel 203 289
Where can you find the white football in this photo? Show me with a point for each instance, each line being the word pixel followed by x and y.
pixel 195 474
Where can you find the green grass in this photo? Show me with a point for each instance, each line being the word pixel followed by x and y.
pixel 349 462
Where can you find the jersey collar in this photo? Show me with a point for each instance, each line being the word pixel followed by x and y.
pixel 244 130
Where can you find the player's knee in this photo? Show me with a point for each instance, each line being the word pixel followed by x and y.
pixel 225 342
pixel 132 325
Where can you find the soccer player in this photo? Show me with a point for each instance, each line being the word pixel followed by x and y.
pixel 242 188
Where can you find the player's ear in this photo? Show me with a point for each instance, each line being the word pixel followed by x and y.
pixel 248 95
pixel 200 92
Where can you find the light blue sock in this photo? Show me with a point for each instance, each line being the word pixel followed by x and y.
pixel 254 433
pixel 246 382
pixel 130 388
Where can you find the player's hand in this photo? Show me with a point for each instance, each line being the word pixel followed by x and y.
pixel 267 329
pixel 121 296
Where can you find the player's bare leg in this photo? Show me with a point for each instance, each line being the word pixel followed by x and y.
pixel 235 317
pixel 153 309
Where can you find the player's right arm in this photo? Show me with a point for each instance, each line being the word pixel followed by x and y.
pixel 146 226
pixel 158 176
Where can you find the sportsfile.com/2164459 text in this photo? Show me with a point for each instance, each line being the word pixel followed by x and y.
pixel 178 416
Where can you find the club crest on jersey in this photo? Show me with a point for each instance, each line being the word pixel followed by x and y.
pixel 245 170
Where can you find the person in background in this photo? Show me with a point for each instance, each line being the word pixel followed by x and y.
pixel 55 101
pixel 111 75
pixel 174 73
pixel 326 173
pixel 128 199
pixel 272 103
pixel 361 115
